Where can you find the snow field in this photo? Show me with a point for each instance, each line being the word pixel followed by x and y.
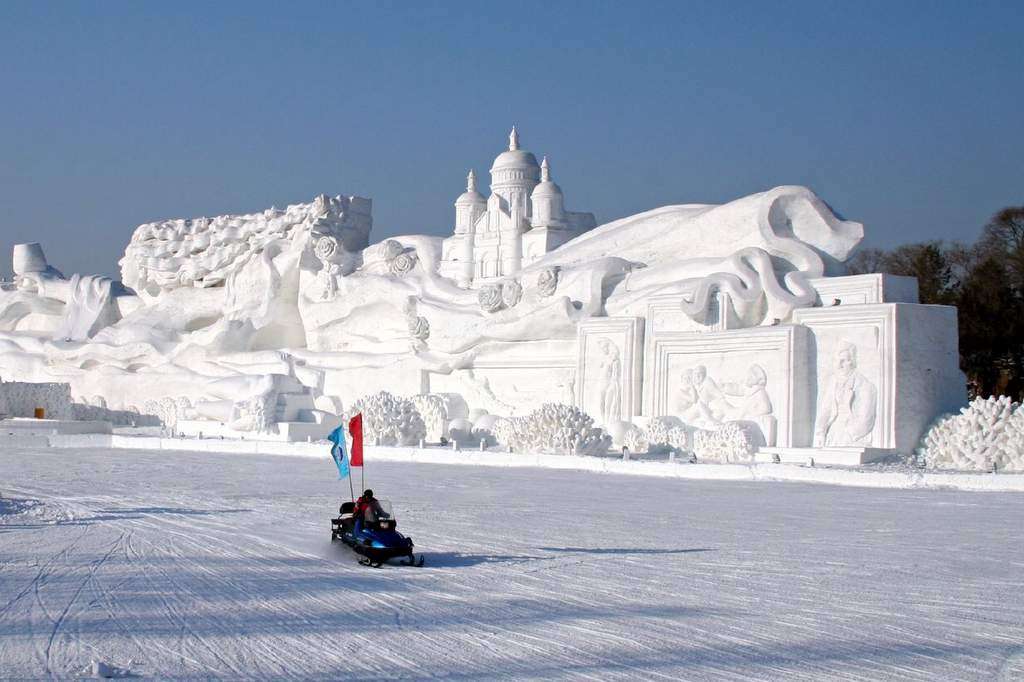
pixel 204 565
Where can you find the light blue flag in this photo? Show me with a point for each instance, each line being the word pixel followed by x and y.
pixel 337 437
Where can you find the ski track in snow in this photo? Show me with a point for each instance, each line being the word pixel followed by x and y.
pixel 189 565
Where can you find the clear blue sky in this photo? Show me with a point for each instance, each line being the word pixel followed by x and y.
pixel 906 116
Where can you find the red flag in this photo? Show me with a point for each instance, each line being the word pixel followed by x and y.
pixel 355 429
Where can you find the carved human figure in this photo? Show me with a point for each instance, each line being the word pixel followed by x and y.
pixel 754 393
pixel 710 398
pixel 688 397
pixel 611 374
pixel 846 415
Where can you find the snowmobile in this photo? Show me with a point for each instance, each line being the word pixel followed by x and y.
pixel 375 541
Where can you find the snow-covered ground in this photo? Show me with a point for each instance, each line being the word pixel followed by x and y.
pixel 213 565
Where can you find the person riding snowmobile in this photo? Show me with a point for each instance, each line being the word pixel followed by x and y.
pixel 367 510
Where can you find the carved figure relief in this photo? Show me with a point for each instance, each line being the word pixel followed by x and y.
pixel 705 403
pixel 846 414
pixel 610 365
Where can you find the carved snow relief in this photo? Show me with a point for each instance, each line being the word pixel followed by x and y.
pixel 757 377
pixel 609 368
pixel 547 282
pixel 847 411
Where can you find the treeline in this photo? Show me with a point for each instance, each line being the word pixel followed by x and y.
pixel 985 281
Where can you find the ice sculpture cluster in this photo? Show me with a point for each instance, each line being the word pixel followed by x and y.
pixel 277 323
pixel 987 434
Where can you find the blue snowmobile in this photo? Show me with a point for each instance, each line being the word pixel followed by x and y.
pixel 375 536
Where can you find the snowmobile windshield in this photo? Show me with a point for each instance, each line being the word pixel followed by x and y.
pixel 385 510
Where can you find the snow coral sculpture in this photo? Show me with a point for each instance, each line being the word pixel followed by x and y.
pixel 636 440
pixel 987 433
pixel 435 415
pixel 558 429
pixel 389 420
pixel 506 431
pixel 168 410
pixel 667 434
pixel 732 442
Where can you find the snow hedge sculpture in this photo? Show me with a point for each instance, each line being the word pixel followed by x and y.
pixel 389 420
pixel 168 410
pixel 988 433
pixel 434 414
pixel 558 429
pixel 732 442
pixel 636 440
pixel 506 431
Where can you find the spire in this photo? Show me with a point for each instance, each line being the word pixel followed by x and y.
pixel 471 181
pixel 513 140
pixel 545 171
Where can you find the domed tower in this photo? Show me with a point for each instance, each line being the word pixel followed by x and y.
pixel 468 208
pixel 514 174
pixel 547 200
pixel 550 225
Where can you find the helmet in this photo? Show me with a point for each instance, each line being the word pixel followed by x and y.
pixel 368 493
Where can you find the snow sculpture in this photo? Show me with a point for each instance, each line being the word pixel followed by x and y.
pixel 708 314
pixel 434 414
pixel 523 219
pixel 847 412
pixel 206 252
pixel 987 434
pixel 511 293
pixel 490 298
pixel 389 420
pixel 731 442
pixel 611 375
pixel 559 429
pixel 166 410
pixel 666 434
pixel 87 299
pixel 636 440
pixel 547 282
pixel 326 250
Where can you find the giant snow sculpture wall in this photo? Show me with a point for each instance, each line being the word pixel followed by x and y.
pixel 708 315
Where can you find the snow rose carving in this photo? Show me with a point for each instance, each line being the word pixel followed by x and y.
pixel 511 293
pixel 402 263
pixel 389 249
pixel 489 298
pixel 547 281
pixel 419 328
pixel 325 248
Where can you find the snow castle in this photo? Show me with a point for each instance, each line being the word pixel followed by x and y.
pixel 523 219
pixel 730 330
